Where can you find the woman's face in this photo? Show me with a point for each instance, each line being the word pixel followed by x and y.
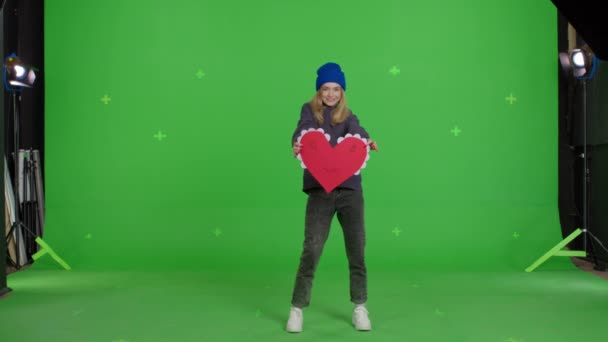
pixel 331 93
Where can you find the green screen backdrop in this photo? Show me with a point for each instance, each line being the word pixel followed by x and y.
pixel 168 128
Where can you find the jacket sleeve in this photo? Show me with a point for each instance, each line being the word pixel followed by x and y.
pixel 353 127
pixel 306 121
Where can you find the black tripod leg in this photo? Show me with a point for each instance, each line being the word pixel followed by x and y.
pixel 596 263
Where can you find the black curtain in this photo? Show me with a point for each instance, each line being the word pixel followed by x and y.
pixel 23 34
pixel 3 252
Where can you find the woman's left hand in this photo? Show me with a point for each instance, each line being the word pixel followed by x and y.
pixel 372 144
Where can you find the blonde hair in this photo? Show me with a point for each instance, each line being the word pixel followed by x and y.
pixel 338 115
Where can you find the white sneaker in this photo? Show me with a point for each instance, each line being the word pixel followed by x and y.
pixel 360 319
pixel 294 323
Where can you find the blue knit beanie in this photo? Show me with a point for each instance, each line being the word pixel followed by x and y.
pixel 330 72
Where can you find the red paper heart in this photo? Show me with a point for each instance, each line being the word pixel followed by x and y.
pixel 331 166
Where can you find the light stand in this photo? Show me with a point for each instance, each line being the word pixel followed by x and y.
pixel 17 207
pixel 16 77
pixel 17 222
pixel 582 64
pixel 586 182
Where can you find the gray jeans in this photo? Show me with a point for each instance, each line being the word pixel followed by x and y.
pixel 320 210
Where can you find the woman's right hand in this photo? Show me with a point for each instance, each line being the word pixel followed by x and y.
pixel 297 147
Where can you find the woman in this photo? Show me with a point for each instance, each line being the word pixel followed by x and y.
pixel 328 110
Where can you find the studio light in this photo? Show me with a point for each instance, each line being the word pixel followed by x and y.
pixel 579 58
pixel 17 74
pixel 580 63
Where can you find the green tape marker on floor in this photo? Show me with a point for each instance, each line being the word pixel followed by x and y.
pixel 557 251
pixel 46 249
